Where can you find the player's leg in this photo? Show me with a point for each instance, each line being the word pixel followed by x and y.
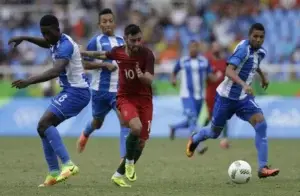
pixel 223 110
pixel 117 178
pixel 122 143
pixel 130 117
pixel 132 141
pixel 49 153
pixel 91 126
pixel 61 108
pixel 124 132
pixel 195 113
pixel 100 108
pixel 224 143
pixel 251 112
pixel 126 166
pixel 67 104
pixel 210 101
pixel 121 169
pixel 145 108
pixel 187 105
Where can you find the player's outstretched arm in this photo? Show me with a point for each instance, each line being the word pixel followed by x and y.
pixel 264 79
pixel 54 72
pixel 41 42
pixel 94 54
pixel 59 66
pixel 90 65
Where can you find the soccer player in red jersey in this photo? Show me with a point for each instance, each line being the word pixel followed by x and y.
pixel 134 96
pixel 218 64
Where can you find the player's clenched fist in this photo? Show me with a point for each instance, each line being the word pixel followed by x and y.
pixel 248 89
pixel 138 71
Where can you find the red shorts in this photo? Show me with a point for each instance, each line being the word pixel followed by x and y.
pixel 131 107
pixel 210 102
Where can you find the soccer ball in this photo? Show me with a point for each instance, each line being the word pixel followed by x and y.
pixel 240 172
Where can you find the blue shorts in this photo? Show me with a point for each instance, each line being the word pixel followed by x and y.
pixel 224 109
pixel 102 103
pixel 69 102
pixel 191 106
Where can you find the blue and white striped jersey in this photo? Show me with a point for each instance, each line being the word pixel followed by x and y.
pixel 247 60
pixel 103 79
pixel 194 72
pixel 73 75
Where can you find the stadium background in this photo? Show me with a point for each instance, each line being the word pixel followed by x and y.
pixel 168 26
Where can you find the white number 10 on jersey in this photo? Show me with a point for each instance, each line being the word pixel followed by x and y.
pixel 129 74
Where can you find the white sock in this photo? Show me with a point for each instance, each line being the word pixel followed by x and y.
pixel 129 161
pixel 117 174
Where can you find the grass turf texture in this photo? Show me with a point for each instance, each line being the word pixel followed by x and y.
pixel 162 170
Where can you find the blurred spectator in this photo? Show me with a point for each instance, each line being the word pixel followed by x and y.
pixel 168 26
pixel 2 53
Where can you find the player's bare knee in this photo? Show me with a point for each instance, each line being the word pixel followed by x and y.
pixel 135 126
pixel 142 144
pixel 97 123
pixel 42 127
pixel 216 131
pixel 257 119
pixel 136 129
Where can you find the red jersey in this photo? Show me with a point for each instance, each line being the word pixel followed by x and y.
pixel 216 65
pixel 129 83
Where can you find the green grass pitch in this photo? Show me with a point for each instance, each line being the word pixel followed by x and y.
pixel 163 169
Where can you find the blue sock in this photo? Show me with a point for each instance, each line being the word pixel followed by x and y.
pixel 57 144
pixel 261 143
pixel 123 135
pixel 182 125
pixel 192 123
pixel 204 134
pixel 50 156
pixel 88 129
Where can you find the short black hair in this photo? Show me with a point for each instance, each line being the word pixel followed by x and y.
pixel 105 11
pixel 49 20
pixel 132 29
pixel 256 26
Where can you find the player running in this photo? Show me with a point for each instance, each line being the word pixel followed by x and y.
pixel 235 96
pixel 218 64
pixel 104 79
pixel 134 97
pixel 74 96
pixel 195 70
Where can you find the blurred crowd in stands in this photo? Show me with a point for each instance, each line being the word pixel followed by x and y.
pixel 168 26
